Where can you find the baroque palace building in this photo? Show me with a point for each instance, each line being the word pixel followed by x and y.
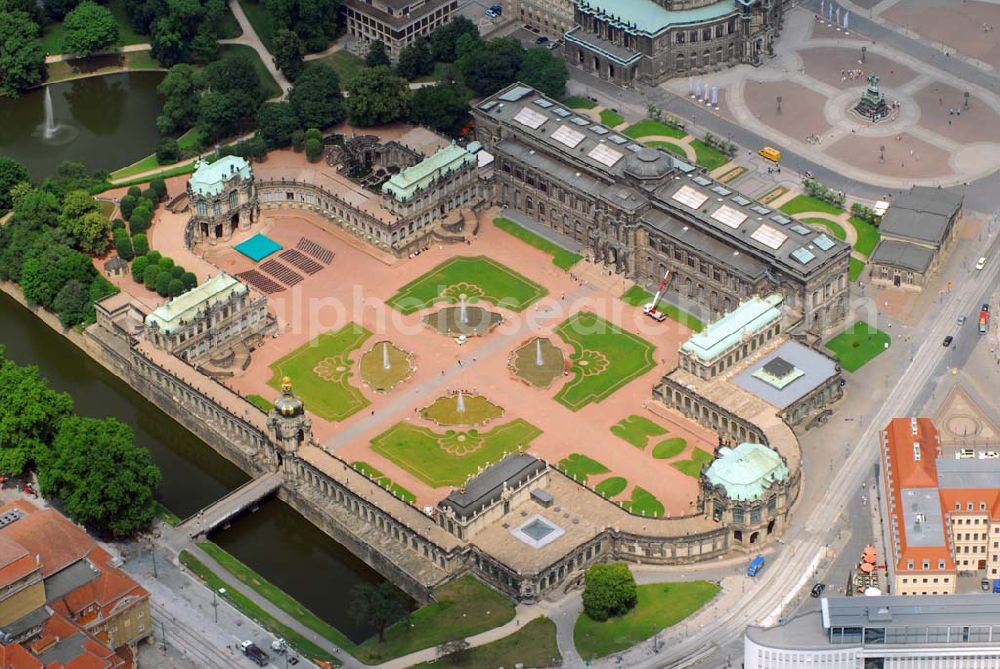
pixel 643 213
pixel 653 40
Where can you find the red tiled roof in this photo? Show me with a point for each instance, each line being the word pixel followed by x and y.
pixel 47 534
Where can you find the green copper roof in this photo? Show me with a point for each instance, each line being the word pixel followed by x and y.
pixel 208 179
pixel 749 318
pixel 176 312
pixel 403 185
pixel 746 471
pixel 646 16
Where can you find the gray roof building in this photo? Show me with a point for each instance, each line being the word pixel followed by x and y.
pixel 487 488
pixel 903 255
pixel 787 374
pixel 923 214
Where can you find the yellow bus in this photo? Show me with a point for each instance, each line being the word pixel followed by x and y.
pixel 770 153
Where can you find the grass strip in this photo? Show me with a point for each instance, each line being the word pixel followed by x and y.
pixel 561 258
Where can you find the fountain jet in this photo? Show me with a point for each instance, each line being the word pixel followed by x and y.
pixel 460 402
pixel 385 356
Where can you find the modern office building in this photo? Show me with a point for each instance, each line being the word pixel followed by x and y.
pixel 642 212
pixel 653 40
pixel 396 23
pixel 923 632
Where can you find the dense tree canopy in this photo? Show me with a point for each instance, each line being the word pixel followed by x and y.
pixel 288 52
pixel 180 30
pixel 415 60
pixel 30 413
pixel 445 39
pixel 316 98
pixel 276 122
pixel 314 21
pixel 101 477
pixel 492 65
pixel 89 28
pixel 376 96
pixel 180 90
pixel 233 96
pixel 378 606
pixel 22 58
pixel 11 174
pixel 608 590
pixel 443 107
pixel 544 71
pixel 376 55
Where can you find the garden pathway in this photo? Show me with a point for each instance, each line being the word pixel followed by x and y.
pixel 251 39
pixel 130 48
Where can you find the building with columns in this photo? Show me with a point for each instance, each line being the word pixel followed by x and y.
pixel 642 212
pixel 222 200
pixel 649 41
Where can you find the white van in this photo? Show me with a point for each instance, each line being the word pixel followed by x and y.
pixel 989 455
pixel 964 454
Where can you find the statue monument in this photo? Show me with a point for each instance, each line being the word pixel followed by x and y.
pixel 872 104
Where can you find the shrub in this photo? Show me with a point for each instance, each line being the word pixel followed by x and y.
pixel 609 590
pixel 190 280
pixel 118 224
pixel 123 245
pixel 166 264
pixel 314 133
pixel 140 246
pixel 175 287
pixel 298 139
pixel 167 151
pixel 314 150
pixel 152 196
pixel 127 206
pixel 176 271
pixel 134 192
pixel 141 219
pixel 149 276
pixel 159 188
pixel 163 283
pixel 139 266
pixel 154 257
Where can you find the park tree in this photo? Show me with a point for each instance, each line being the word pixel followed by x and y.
pixel 149 276
pixel 30 413
pixel 541 70
pixel 219 115
pixel 190 280
pixel 277 121
pixel 316 98
pixel 205 45
pixel 12 173
pixel 494 65
pixel 127 206
pixel 140 264
pixel 142 217
pixel 376 56
pixel 238 77
pixel 175 288
pixel 445 38
pixel 101 477
pixel 163 280
pixel 89 28
pixel 180 91
pixel 140 246
pixel 608 590
pixel 288 52
pixel 90 232
pixel 57 10
pixel 159 188
pixel 167 150
pixel 32 8
pixel 442 107
pixel 70 304
pixel 123 245
pixel 378 606
pixel 314 21
pixel 45 272
pixel 415 60
pixel 75 204
pixel 22 57
pixel 314 149
pixel 376 96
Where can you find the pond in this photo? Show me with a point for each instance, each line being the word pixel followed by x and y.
pixel 104 122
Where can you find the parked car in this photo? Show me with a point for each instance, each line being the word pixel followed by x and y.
pixel 981 263
pixel 817 590
pixel 961 320
pixel 989 455
pixel 947 341
pixel 965 454
pixel 541 39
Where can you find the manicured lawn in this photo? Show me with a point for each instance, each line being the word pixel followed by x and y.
pixel 186 142
pixel 274 594
pixel 611 118
pixel 604 359
pixel 345 63
pixel 449 459
pixel 243 604
pixel 853 348
pixel 650 126
pixel 262 21
pixel 260 402
pixel 856 268
pixel 868 235
pixel 462 608
pixel 475 410
pixel 834 228
pixel 692 466
pixel 384 481
pixel 271 87
pixel 670 147
pixel 476 277
pixel 321 371
pixel 373 369
pixel 534 645
pixel 729 175
pixel 637 430
pixel 669 448
pixel 176 170
pixel 562 258
pixel 660 605
pixel 611 486
pixel 804 203
pixel 643 503
pixel 577 102
pixel 707 156
pixel 638 296
pixel 579 467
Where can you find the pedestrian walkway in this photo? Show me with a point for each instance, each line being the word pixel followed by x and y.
pixel 130 48
pixel 232 504
pixel 252 40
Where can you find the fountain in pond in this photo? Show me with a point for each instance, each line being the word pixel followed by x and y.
pixel 463 315
pixel 539 361
pixel 385 356
pixel 52 132
pixel 460 402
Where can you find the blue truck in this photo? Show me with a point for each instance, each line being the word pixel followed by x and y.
pixel 996 586
pixel 755 565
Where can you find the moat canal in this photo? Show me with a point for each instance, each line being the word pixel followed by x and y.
pixel 276 541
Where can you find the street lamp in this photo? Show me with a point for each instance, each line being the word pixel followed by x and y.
pixel 881 154
pixel 966 94
pixel 864 50
pixel 779 104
